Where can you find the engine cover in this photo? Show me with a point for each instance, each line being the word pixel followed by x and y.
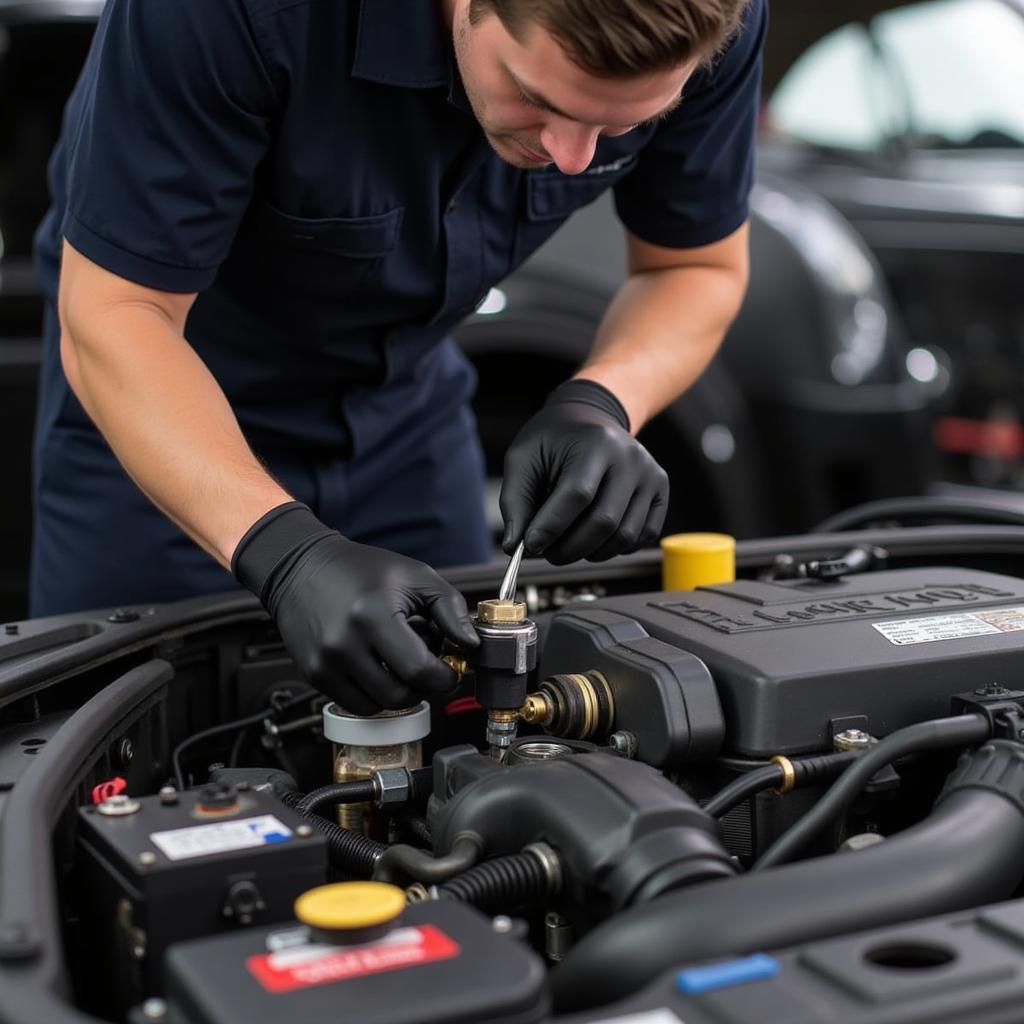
pixel 791 657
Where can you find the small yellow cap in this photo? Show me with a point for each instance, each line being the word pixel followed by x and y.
pixel 348 905
pixel 697 560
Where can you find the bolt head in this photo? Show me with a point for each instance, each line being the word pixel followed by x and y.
pixel 168 796
pixel 304 831
pixel 147 858
pixel 502 924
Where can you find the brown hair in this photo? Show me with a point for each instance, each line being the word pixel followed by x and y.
pixel 622 38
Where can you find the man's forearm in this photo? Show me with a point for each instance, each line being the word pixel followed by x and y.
pixel 169 423
pixel 660 332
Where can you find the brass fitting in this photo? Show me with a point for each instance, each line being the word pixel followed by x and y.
pixel 537 710
pixel 788 774
pixel 457 664
pixel 494 610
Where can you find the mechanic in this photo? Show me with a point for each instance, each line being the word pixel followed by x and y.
pixel 268 215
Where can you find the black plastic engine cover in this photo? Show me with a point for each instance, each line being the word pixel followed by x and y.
pixel 790 657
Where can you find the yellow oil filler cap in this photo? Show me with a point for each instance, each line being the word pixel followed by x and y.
pixel 354 908
pixel 697 560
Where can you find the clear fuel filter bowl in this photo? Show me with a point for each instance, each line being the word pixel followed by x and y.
pixel 362 745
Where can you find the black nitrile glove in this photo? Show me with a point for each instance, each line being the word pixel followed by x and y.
pixel 577 484
pixel 343 610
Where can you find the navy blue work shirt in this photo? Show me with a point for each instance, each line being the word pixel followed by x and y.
pixel 313 169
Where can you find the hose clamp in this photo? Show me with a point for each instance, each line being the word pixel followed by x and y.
pixel 788 774
pixel 549 862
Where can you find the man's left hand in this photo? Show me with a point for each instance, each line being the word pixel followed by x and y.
pixel 577 484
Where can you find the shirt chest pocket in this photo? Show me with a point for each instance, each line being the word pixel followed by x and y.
pixel 552 197
pixel 336 253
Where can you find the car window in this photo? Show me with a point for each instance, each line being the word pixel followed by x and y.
pixel 945 73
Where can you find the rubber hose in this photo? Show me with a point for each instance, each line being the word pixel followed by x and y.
pixel 349 851
pixel 806 770
pixel 423 867
pixel 355 792
pixel 965 854
pixel 499 884
pixel 937 734
pixel 416 827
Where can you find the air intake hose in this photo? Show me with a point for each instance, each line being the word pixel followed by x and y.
pixel 966 853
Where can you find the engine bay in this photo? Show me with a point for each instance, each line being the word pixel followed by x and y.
pixel 797 795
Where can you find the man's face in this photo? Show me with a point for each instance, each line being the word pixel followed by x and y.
pixel 536 106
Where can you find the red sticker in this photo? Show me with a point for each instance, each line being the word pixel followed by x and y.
pixel 305 966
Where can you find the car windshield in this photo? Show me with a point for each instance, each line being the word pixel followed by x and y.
pixel 947 74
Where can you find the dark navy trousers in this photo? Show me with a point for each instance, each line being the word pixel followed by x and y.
pixel 99 542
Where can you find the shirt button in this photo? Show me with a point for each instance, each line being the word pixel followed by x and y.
pixel 450 208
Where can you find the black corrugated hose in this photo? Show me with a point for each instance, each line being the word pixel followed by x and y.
pixel 351 852
pixel 499 884
pixel 355 792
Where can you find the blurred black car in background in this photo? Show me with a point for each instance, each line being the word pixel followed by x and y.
pixel 909 118
pixel 821 396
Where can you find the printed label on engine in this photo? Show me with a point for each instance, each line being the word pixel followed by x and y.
pixel 304 966
pixel 952 627
pixel 221 836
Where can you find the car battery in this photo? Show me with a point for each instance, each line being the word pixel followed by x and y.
pixel 160 869
pixel 441 962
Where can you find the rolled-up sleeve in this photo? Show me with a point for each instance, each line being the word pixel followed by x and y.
pixel 165 131
pixel 691 185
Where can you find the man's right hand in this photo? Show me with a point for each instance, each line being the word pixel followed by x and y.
pixel 343 610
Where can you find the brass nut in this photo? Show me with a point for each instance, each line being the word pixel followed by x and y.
pixel 495 610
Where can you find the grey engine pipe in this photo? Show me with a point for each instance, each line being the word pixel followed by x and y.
pixel 968 852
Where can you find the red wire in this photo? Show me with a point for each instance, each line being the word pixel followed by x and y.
pixel 461 705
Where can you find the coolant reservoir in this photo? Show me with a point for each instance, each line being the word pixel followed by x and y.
pixel 363 745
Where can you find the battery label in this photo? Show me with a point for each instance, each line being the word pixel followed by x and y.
pixel 952 627
pixel 305 966
pixel 220 837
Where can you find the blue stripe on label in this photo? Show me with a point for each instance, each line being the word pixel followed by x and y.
pixel 696 980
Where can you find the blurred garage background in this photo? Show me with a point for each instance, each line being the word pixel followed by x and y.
pixel 880 351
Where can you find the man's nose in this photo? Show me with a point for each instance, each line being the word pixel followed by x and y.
pixel 570 144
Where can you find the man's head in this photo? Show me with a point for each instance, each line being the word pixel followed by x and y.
pixel 546 78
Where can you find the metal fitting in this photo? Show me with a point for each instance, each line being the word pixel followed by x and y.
pixel 118 806
pixel 457 664
pixel 392 786
pixel 495 610
pixel 417 893
pixel 147 858
pixel 788 774
pixel 549 862
pixel 501 731
pixel 624 744
pixel 853 739
pixel 168 796
pixel 557 936
pixel 537 710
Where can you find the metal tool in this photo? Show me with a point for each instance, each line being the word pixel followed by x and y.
pixel 507 590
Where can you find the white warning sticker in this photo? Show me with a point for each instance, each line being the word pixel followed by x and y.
pixel 930 628
pixel 221 836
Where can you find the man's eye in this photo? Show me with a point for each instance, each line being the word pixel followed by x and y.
pixel 523 98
